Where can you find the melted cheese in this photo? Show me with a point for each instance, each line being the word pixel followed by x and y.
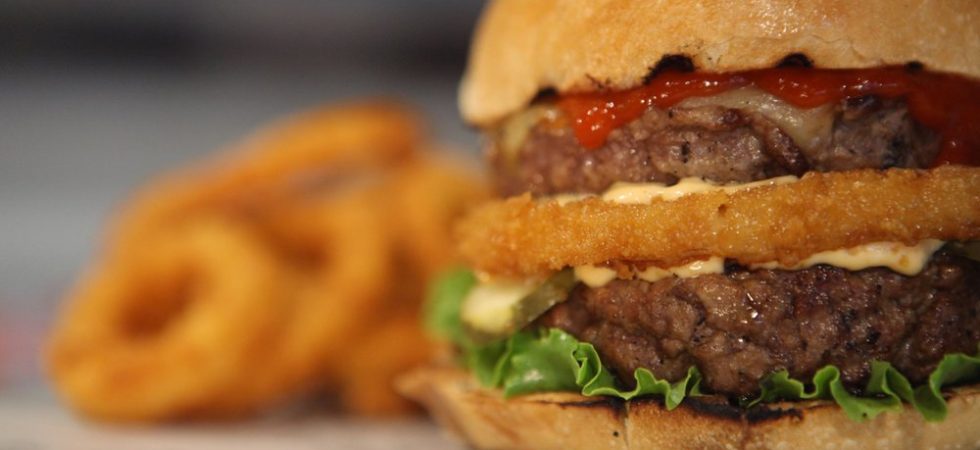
pixel 597 276
pixel 904 259
pixel 711 265
pixel 808 127
pixel 594 276
pixel 516 129
pixel 640 193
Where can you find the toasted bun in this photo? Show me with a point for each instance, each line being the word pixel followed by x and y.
pixel 521 46
pixel 566 421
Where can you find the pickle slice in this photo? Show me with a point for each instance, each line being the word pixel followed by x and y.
pixel 496 310
pixel 969 249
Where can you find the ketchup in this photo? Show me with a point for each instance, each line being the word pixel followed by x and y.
pixel 948 104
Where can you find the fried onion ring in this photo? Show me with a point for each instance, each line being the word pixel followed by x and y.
pixel 427 195
pixel 151 337
pixel 290 155
pixel 396 346
pixel 337 253
pixel 296 263
pixel 785 223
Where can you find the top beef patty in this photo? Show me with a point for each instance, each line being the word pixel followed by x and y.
pixel 713 142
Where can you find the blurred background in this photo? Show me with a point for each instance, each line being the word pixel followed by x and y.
pixel 96 96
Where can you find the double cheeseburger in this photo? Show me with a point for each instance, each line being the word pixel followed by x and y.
pixel 721 225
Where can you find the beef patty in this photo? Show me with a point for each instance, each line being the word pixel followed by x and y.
pixel 740 326
pixel 717 143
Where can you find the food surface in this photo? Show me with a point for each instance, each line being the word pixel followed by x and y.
pixel 758 204
pixel 564 420
pixel 715 142
pixel 520 51
pixel 166 328
pixel 291 265
pixel 780 222
pixel 742 325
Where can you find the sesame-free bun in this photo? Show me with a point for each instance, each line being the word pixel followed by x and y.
pixel 524 46
pixel 569 421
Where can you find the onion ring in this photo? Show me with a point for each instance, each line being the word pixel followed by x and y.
pixel 784 223
pixel 427 195
pixel 337 252
pixel 395 346
pixel 330 225
pixel 153 336
pixel 296 152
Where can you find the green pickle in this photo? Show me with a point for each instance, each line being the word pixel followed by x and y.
pixel 969 249
pixel 494 311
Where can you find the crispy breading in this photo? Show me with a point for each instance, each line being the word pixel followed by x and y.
pixel 522 236
pixel 294 264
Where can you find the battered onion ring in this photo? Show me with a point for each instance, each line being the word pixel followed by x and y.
pixel 287 156
pixel 395 346
pixel 785 223
pixel 347 222
pixel 427 196
pixel 153 337
pixel 338 251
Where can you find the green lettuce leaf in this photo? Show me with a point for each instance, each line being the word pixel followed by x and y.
pixel 552 360
pixel 441 309
pixel 954 369
pixel 827 385
pixel 887 388
pixel 594 379
pixel 540 363
pixel 488 362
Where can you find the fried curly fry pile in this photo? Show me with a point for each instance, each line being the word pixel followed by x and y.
pixel 294 263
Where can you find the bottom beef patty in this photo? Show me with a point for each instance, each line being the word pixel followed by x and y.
pixel 740 326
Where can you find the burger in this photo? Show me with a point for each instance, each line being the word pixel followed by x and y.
pixel 720 225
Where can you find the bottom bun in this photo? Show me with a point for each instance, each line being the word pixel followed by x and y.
pixel 485 419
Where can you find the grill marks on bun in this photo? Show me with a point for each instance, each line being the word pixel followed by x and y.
pixel 520 47
pixel 676 63
pixel 796 60
pixel 683 63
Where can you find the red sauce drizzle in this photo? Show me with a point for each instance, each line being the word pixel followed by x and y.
pixel 948 104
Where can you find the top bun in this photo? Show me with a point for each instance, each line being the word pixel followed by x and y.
pixel 523 46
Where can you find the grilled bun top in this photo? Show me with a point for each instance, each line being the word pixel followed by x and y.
pixel 522 47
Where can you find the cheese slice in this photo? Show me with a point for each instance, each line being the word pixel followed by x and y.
pixel 809 127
